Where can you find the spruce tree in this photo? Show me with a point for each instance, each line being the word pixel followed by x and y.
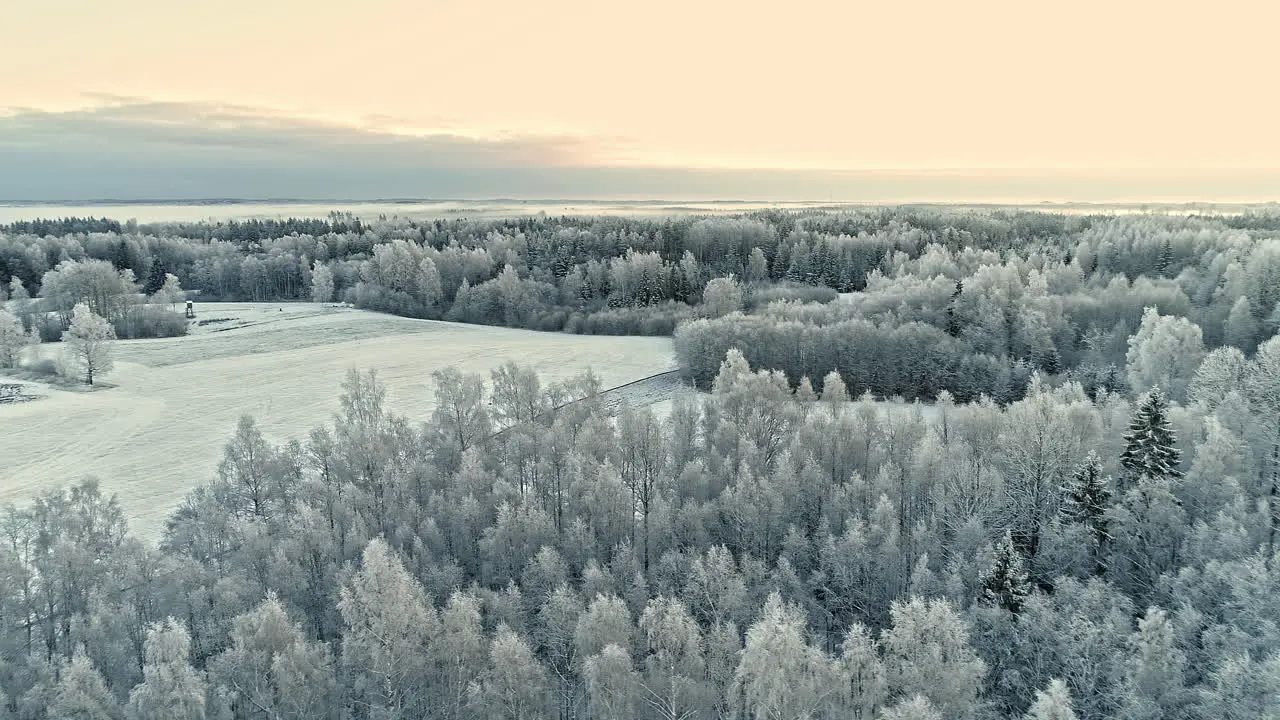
pixel 1005 584
pixel 953 321
pixel 1149 450
pixel 1086 502
pixel 155 277
pixel 1165 261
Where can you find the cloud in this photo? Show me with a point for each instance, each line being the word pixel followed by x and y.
pixel 133 148
pixel 142 133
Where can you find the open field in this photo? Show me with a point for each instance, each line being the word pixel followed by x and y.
pixel 160 430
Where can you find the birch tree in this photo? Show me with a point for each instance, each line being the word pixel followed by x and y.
pixel 388 622
pixel 89 343
pixel 171 688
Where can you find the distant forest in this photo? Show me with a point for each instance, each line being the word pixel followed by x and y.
pixel 969 302
pixel 1082 523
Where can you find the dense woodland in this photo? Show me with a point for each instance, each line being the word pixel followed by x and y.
pixel 1083 526
pixel 969 302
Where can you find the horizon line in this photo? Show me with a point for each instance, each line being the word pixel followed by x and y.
pixel 402 200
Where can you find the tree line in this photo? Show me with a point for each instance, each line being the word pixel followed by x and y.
pixel 761 551
pixel 971 302
pixel 1121 305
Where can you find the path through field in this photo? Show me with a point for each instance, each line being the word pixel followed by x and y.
pixel 160 431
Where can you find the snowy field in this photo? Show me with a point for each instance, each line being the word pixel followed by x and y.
pixel 160 427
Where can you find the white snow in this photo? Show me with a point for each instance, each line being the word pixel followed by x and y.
pixel 161 429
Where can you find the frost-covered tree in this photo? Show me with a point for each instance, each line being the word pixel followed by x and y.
pixel 1042 438
pixel 13 339
pixel 387 623
pixel 171 688
pixel 82 694
pixel 1262 387
pixel 1241 328
pixel 1222 372
pixel 517 397
pixel 18 294
pixel 270 669
pixel 514 686
pixel 1087 499
pixel 1150 449
pixel 675 661
pixel 88 342
pixel 780 674
pixel 927 653
pixel 461 419
pixel 107 291
pixel 169 293
pixel 1148 526
pixel 1165 352
pixel 757 266
pixel 321 283
pixel 1005 584
pixel 19 303
pixel 834 392
pixel 722 296
pixel 917 707
pixel 613 685
pixel 607 621
pixel 862 675
pixel 460 652
pixel 430 290
pixel 1148 522
pixel 1243 689
pixel 1154 683
pixel 555 628
pixel 715 590
pixel 1052 703
pixel 246 471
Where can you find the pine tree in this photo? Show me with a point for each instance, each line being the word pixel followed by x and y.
pixel 1086 502
pixel 1006 585
pixel 1165 261
pixel 953 321
pixel 155 277
pixel 1149 450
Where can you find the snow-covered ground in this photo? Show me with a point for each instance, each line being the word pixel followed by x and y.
pixel 160 429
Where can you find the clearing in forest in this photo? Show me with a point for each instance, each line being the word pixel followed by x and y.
pixel 157 426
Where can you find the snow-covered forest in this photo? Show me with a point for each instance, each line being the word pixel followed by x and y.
pixel 969 302
pixel 1083 525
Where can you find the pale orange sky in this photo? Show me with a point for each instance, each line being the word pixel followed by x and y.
pixel 796 84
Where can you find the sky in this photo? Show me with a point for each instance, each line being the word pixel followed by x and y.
pixel 807 99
